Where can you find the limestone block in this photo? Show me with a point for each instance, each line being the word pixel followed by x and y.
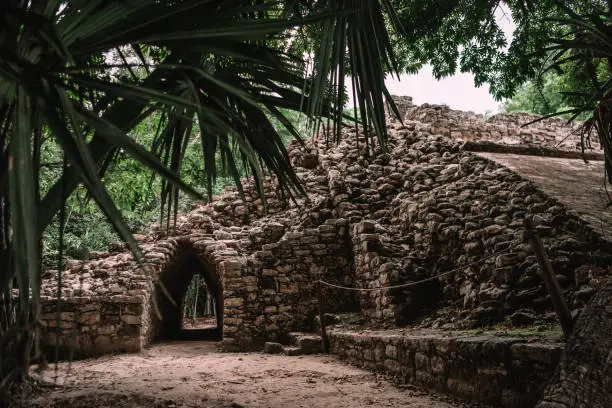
pixel 89 317
pixel 131 319
pixel 106 330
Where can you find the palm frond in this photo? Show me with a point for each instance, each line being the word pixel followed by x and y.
pixel 587 39
pixel 356 41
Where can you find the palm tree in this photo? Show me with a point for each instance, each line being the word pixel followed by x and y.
pixel 223 65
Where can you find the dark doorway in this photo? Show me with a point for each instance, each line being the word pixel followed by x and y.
pixel 177 300
pixel 416 302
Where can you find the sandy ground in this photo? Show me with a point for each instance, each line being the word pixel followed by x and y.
pixel 195 374
pixel 199 323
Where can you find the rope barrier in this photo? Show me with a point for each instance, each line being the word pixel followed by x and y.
pixel 409 284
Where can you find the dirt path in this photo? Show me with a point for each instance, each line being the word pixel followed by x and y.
pixel 195 374
pixel 200 323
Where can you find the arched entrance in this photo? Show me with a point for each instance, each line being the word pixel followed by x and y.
pixel 171 289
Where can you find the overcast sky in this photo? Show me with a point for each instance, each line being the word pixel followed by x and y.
pixel 457 91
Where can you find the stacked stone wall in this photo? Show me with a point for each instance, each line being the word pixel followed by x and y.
pixel 94 325
pixel 377 265
pixel 230 209
pixel 459 209
pixel 508 129
pixel 284 276
pixel 502 372
pixel 425 207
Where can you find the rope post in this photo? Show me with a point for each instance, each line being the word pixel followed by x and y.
pixel 324 339
pixel 548 274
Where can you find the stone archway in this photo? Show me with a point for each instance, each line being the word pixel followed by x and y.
pixel 170 291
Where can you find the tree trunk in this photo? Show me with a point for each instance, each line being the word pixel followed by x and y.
pixel 583 378
pixel 195 301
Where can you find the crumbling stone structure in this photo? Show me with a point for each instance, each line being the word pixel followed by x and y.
pixel 503 128
pixel 421 206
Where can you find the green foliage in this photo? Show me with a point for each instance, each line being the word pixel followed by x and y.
pixel 553 92
pixel 587 50
pixel 134 189
pixel 466 36
pixel 542 99
pixel 577 81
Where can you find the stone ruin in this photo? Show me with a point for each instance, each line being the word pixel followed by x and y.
pixel 423 206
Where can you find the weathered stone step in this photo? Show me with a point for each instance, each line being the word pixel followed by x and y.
pixel 293 351
pixel 271 347
pixel 277 348
pixel 299 344
pixel 310 343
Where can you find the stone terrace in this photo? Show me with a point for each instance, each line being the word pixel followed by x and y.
pixel 423 206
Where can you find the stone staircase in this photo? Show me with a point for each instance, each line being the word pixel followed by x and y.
pixel 299 344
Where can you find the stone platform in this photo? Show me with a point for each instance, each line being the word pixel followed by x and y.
pixel 497 371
